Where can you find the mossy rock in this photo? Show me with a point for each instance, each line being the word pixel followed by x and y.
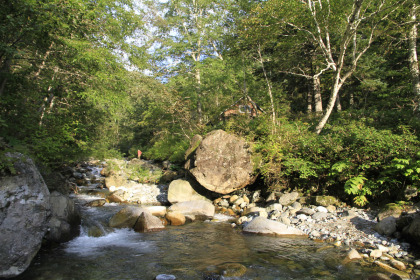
pixel 195 142
pixel 232 269
pixel 390 209
pixel 325 200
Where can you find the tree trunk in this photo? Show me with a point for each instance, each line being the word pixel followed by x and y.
pixel 338 103
pixel 339 80
pixel 351 99
pixel 199 105
pixel 4 71
pixel 270 93
pixel 309 98
pixel 414 64
pixel 316 87
pixel 331 103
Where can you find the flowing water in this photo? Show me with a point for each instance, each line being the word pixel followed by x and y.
pixel 200 250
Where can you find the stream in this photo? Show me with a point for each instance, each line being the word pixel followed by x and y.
pixel 199 250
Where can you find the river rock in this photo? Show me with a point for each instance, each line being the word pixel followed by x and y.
pixel 117 196
pixel 351 256
pixel 320 215
pixel 126 217
pixel 387 226
pixel 165 277
pixel 114 182
pixel 181 190
pixel 147 222
pixel 96 203
pixel 273 207
pixel 158 211
pixel 175 218
pixel 398 265
pixel 221 163
pixel 263 225
pixel 232 269
pixel 401 274
pixel 325 200
pixel 65 218
pixel 288 198
pixel 306 211
pixel 200 209
pixel 412 231
pixel 391 209
pixel 24 212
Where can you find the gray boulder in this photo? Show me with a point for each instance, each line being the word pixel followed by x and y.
pixel 288 198
pixel 200 209
pixel 24 212
pixel 263 225
pixel 387 226
pixel 221 163
pixel 181 190
pixel 412 231
pixel 65 218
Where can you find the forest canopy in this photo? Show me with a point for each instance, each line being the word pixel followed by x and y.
pixel 337 82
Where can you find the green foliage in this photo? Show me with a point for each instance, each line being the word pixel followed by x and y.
pixel 354 186
pixel 352 160
pixel 6 164
pixel 169 148
pixel 143 174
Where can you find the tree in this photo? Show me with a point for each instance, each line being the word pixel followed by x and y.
pixel 62 72
pixel 189 35
pixel 413 61
pixel 339 33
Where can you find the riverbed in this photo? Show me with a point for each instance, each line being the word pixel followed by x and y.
pixel 201 250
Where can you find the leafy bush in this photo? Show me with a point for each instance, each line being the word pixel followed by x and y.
pixel 350 160
pixel 171 148
pixel 143 174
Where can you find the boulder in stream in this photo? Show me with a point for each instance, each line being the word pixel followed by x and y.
pixel 24 212
pixel 175 218
pixel 147 222
pixel 126 217
pixel 181 190
pixel 221 162
pixel 200 209
pixel 65 218
pixel 263 225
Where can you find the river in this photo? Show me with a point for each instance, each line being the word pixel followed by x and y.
pixel 199 250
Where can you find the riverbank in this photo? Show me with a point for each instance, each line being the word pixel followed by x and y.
pixel 341 227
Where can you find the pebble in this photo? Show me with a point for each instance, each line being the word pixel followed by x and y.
pixel 165 277
pixel 398 265
pixel 321 209
pixel 375 254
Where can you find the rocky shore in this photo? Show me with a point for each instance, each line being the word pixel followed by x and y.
pixel 154 196
pixel 368 235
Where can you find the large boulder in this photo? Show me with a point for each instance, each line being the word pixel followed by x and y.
pixel 221 163
pixel 263 225
pixel 199 209
pixel 126 217
pixel 181 190
pixel 65 218
pixel 24 212
pixel 387 226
